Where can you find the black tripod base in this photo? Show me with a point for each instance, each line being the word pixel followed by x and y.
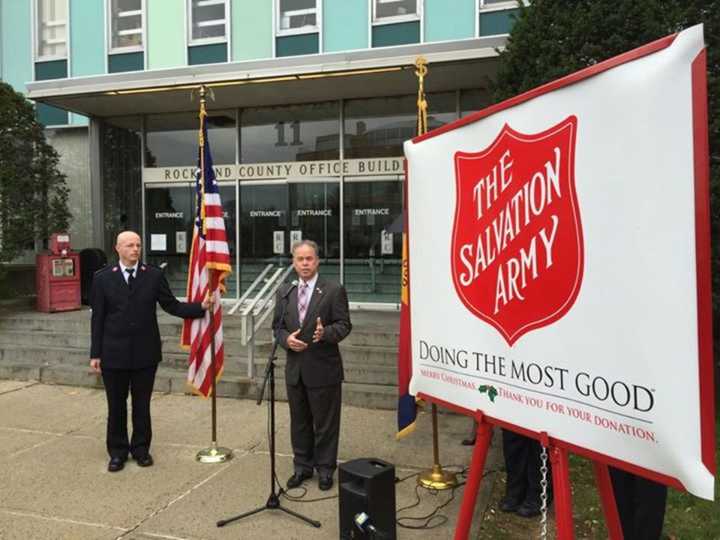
pixel 273 503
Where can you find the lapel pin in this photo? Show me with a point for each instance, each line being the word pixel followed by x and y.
pixel 318 291
pixel 115 268
pixel 142 268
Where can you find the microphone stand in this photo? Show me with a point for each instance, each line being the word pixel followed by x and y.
pixel 273 501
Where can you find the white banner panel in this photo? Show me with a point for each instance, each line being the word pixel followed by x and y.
pixel 553 275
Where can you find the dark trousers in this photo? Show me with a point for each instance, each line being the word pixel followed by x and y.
pixel 522 464
pixel 118 383
pixel 314 426
pixel 640 503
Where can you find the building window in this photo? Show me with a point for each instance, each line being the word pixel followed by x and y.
pixel 306 132
pixel 172 139
pixel 394 11
pixel 51 29
pixel 497 17
pixel 126 25
pixel 208 21
pixel 297 17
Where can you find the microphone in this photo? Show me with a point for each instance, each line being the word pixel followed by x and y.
pixel 293 284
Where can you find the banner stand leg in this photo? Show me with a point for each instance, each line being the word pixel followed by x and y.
pixel 477 465
pixel 563 495
pixel 607 498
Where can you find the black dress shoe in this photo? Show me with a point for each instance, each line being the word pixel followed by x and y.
pixel 116 464
pixel 296 479
pixel 325 482
pixel 144 461
pixel 509 504
pixel 528 509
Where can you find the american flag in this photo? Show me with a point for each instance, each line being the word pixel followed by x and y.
pixel 209 265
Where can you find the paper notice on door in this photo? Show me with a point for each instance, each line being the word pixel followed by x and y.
pixel 158 242
pixel 295 236
pixel 386 243
pixel 278 242
pixel 180 241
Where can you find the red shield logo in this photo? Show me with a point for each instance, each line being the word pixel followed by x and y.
pixel 517 247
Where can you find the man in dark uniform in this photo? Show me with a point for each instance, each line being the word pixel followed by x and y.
pixel 640 503
pixel 311 318
pixel 125 344
pixel 522 467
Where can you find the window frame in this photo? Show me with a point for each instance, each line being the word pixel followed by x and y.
pixel 374 21
pixel 317 29
pixel 109 28
pixel 37 35
pixel 209 40
pixel 481 8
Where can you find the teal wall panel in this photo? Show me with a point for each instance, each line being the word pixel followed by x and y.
pixel 50 116
pixel 125 62
pixel 497 22
pixel 79 120
pixel 15 43
pixel 449 19
pixel 345 25
pixel 296 45
pixel 252 29
pixel 54 69
pixel 387 35
pixel 87 38
pixel 166 46
pixel 207 54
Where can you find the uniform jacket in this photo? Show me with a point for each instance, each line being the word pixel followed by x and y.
pixel 320 364
pixel 124 325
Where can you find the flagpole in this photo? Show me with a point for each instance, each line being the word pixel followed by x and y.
pixel 214 454
pixel 435 478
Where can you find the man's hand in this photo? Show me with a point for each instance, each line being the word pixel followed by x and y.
pixel 208 302
pixel 95 365
pixel 319 331
pixel 294 343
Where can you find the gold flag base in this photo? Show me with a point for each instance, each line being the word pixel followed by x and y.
pixel 437 479
pixel 214 454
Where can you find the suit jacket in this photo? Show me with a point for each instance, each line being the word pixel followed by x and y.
pixel 320 364
pixel 124 327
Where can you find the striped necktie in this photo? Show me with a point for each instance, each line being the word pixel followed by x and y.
pixel 302 301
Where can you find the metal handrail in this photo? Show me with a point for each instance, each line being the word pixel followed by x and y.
pixel 250 289
pixel 250 308
pixel 258 310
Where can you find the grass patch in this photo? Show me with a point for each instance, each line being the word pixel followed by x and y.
pixel 686 516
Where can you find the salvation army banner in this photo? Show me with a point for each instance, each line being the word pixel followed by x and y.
pixel 559 255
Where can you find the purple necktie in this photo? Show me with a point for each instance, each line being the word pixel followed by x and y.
pixel 302 302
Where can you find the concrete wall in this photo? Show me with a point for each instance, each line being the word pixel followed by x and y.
pixel 74 149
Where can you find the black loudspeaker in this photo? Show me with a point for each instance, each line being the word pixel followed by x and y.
pixel 367 500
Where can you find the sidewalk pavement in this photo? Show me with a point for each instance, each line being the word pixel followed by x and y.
pixel 54 482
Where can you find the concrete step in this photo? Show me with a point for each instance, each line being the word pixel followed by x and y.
pixel 65 356
pixel 352 354
pixel 173 381
pixel 375 335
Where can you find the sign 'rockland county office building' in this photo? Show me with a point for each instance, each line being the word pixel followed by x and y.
pixel 309 104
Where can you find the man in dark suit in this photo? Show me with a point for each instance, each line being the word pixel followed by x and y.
pixel 311 318
pixel 125 344
pixel 522 467
pixel 640 503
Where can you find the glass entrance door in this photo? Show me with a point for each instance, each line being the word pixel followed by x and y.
pixel 263 229
pixel 169 214
pixel 373 240
pixel 273 216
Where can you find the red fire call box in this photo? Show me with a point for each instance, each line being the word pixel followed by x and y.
pixel 57 276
